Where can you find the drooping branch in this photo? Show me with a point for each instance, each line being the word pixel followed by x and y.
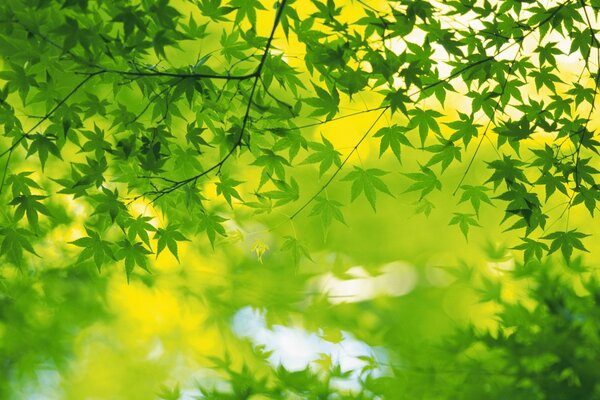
pixel 256 75
pixel 489 123
pixel 150 74
pixel 51 112
pixel 43 119
pixel 520 40
pixel 163 74
pixel 583 130
pixel 339 168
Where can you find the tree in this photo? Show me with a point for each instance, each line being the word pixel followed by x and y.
pixel 163 123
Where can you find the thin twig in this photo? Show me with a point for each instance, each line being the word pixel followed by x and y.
pixel 339 168
pixel 245 119
pixel 51 112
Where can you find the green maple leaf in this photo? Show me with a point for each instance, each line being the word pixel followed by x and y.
pixel 139 227
pixel 194 136
pixel 508 170
pixel 20 183
pixel 352 82
pixel 463 272
pixel 232 47
pixel 325 103
pixel 212 224
pixel 131 18
pixel 551 183
pixel 226 187
pixel 532 248
pixel 213 10
pixel 476 195
pixel 465 128
pixel 367 182
pixel 291 140
pixel 31 206
pixel 424 120
pixel 245 10
pixel 42 145
pixel 162 40
pixel 324 154
pixel 392 137
pixel 94 247
pixel 581 93
pixel 548 52
pixel 544 158
pixel 167 393
pixel 464 221
pixel 491 290
pixel 133 253
pixel 95 143
pixel 273 165
pixel 15 241
pixel 445 153
pixel 397 101
pixel 327 210
pixel 296 248
pixel 168 237
pixel 566 242
pixel 108 203
pixel 20 80
pixel 286 193
pixel 263 205
pixel 545 77
pixel 588 196
pixel 425 181
pixel 424 206
pixel 92 172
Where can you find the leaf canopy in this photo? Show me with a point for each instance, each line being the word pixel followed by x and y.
pixel 213 129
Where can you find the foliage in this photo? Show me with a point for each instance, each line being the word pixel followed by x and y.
pixel 132 129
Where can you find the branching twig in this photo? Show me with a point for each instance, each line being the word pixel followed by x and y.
pixel 520 40
pixel 339 168
pixel 245 119
pixel 583 130
pixel 12 147
pixel 175 74
pixel 50 113
pixel 488 125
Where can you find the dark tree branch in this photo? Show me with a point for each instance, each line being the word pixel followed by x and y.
pixel 256 75
pixel 176 74
pixel 12 147
pixel 51 112
pixel 519 41
pixel 583 130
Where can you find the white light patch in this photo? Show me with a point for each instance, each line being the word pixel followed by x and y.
pixel 157 350
pixel 396 279
pixel 500 267
pixel 295 348
pixel 45 385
